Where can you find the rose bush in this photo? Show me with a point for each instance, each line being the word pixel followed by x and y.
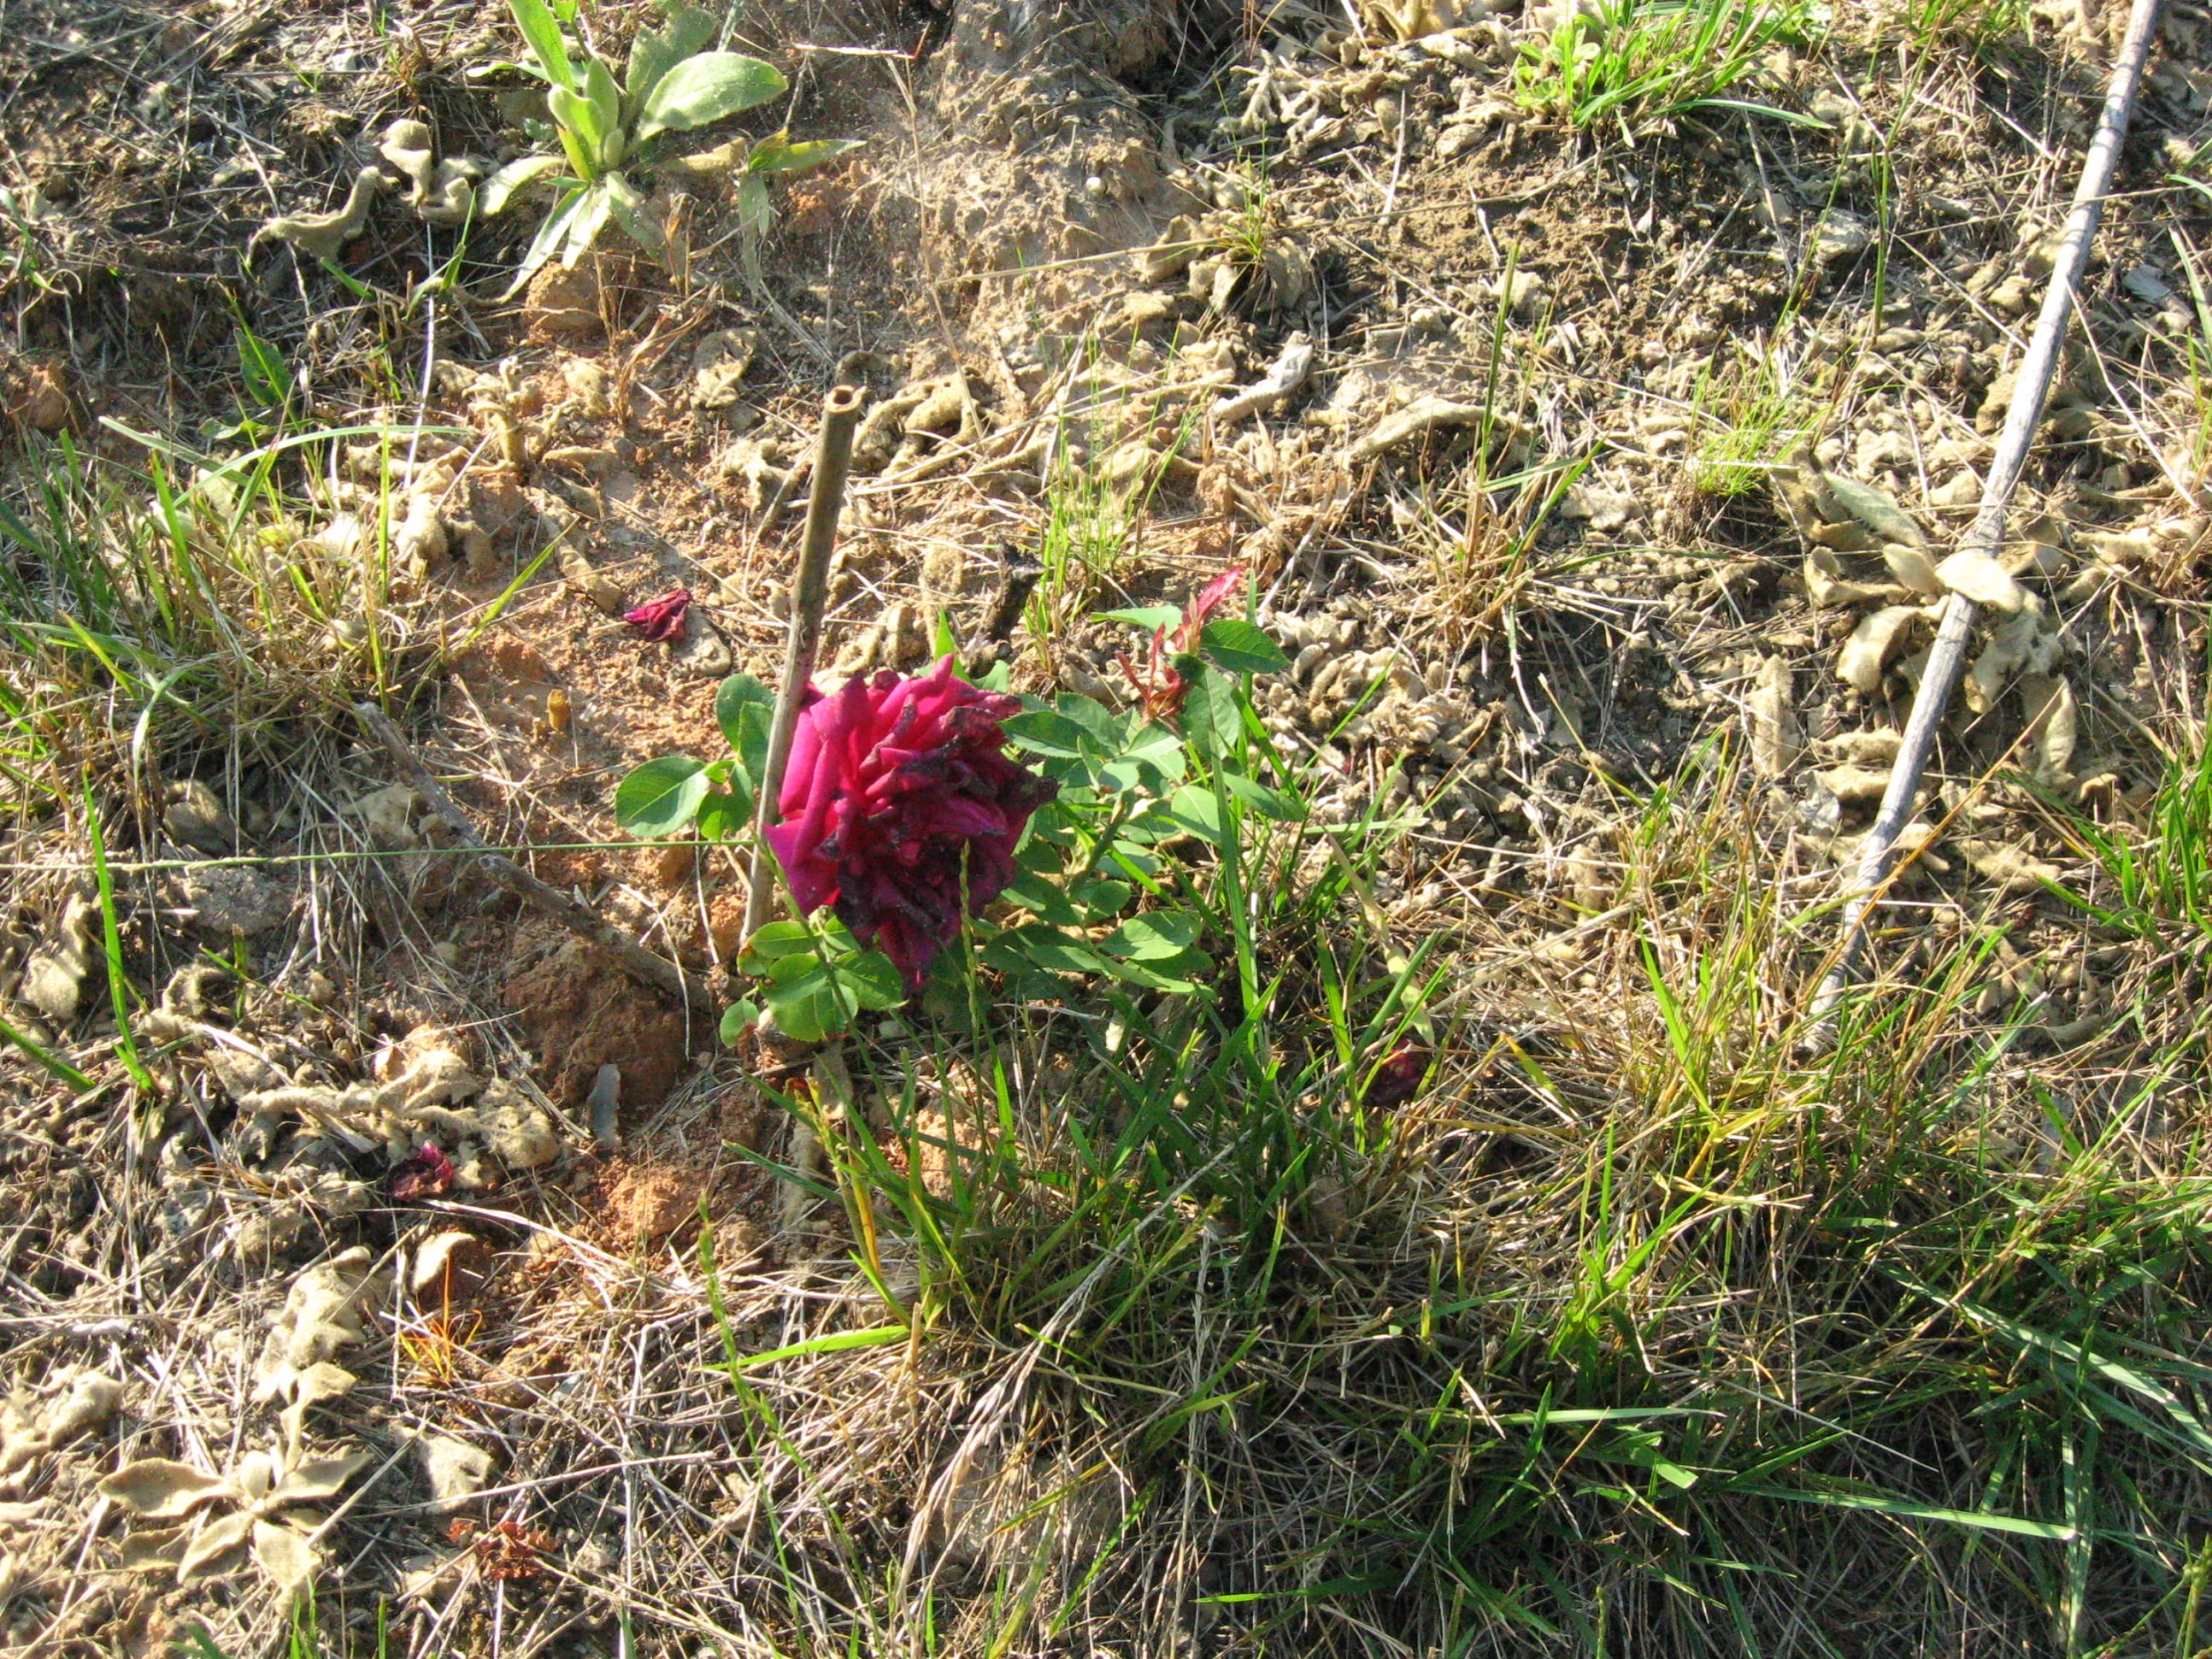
pixel 901 809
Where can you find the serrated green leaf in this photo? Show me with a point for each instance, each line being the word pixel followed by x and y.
pixel 1049 947
pixel 1197 812
pixel 1104 899
pixel 543 32
pixel 739 1017
pixel 1211 718
pixel 725 814
pixel 1279 804
pixel 777 940
pixel 1043 900
pixel 1109 729
pixel 873 981
pixel 661 797
pixel 705 88
pixel 744 709
pixel 1153 935
pixel 1044 732
pixel 1239 647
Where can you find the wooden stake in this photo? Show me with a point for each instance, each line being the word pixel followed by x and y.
pixel 1949 658
pixel 840 415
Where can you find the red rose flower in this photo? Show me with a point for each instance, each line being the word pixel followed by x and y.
pixel 898 804
pixel 661 618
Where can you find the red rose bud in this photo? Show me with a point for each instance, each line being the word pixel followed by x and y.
pixel 900 803
pixel 661 618
pixel 427 1174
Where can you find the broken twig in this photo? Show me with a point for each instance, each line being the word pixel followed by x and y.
pixel 1945 662
pixel 637 961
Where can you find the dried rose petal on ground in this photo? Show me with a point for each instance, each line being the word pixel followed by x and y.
pixel 661 618
pixel 427 1174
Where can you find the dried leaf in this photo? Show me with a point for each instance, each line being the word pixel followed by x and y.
pixel 1872 644
pixel 158 1550
pixel 1983 580
pixel 1873 508
pixel 1911 567
pixel 2012 867
pixel 322 1314
pixel 1776 737
pixel 318 1479
pixel 287 1558
pixel 215 1540
pixel 455 1469
pixel 160 1489
pixel 2021 644
pixel 2053 724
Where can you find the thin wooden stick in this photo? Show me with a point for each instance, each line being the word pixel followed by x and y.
pixel 637 961
pixel 1948 660
pixel 840 415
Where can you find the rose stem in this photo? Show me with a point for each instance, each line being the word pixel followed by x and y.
pixel 1944 663
pixel 841 413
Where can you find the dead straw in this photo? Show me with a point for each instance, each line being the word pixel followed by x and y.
pixel 1948 660
pixel 840 415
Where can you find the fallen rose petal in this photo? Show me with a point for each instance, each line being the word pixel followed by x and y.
pixel 427 1174
pixel 661 618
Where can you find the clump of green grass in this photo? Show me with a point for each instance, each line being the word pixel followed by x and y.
pixel 1629 1316
pixel 1746 418
pixel 1644 62
pixel 1974 24
pixel 182 607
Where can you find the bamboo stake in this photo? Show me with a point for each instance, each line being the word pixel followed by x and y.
pixel 1949 658
pixel 840 415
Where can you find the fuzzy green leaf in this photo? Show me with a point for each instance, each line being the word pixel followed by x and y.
pixel 798 158
pixel 499 189
pixel 685 30
pixel 543 31
pixel 705 88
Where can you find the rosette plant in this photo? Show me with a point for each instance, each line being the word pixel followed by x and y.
pixel 604 126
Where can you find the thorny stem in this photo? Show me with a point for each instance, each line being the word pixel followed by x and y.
pixel 840 415
pixel 1948 660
